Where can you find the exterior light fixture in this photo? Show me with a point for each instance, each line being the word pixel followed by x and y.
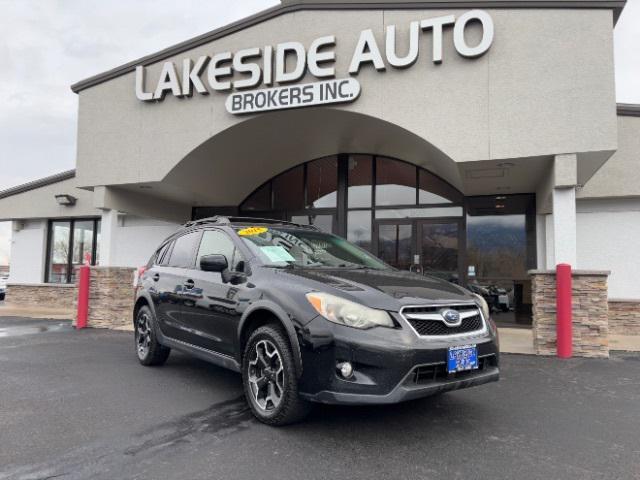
pixel 66 200
pixel 506 165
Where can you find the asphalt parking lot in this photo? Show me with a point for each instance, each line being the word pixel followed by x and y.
pixel 77 405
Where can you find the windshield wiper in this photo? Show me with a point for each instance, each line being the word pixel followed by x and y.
pixel 288 266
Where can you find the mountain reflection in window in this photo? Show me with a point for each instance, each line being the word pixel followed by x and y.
pixel 497 246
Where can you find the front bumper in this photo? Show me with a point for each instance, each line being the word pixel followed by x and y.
pixel 404 391
pixel 390 365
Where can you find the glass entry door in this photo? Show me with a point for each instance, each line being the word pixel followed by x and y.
pixel 425 246
pixel 396 242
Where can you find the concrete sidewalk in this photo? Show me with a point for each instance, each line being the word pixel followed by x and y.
pixel 36 311
pixel 520 340
pixel 516 340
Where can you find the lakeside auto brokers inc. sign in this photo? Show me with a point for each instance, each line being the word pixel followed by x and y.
pixel 289 62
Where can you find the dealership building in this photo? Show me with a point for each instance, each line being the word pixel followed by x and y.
pixel 478 140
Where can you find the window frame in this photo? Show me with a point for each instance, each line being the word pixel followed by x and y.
pixel 70 267
pixel 194 251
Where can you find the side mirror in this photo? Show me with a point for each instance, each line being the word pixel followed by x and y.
pixel 213 263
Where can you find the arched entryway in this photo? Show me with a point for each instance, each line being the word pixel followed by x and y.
pixel 411 218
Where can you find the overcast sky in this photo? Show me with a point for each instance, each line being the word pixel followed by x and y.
pixel 46 45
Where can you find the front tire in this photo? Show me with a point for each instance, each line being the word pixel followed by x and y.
pixel 149 350
pixel 269 378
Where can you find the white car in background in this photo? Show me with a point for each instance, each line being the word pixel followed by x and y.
pixel 3 287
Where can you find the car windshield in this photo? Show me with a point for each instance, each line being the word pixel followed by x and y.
pixel 297 247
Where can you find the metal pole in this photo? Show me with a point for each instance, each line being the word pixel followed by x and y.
pixel 83 296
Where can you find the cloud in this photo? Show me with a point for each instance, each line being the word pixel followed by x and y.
pixel 47 46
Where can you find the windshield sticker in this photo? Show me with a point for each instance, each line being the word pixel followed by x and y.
pixel 277 254
pixel 246 232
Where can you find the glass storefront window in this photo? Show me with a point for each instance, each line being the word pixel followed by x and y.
pixel 310 194
pixel 359 181
pixel 500 250
pixel 359 228
pixel 83 238
pixel 496 246
pixel 260 199
pixel 439 250
pixel 432 190
pixel 395 182
pixel 322 183
pixel 71 243
pixel 419 212
pixel 394 244
pixel 60 237
pixel 323 222
pixel 288 190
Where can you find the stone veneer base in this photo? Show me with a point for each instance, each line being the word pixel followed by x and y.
pixel 624 317
pixel 111 297
pixel 52 295
pixel 590 313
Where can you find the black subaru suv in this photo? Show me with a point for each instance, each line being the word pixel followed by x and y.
pixel 306 316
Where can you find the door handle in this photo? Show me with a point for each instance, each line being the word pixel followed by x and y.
pixel 156 277
pixel 189 284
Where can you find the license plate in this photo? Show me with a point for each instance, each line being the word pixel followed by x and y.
pixel 460 359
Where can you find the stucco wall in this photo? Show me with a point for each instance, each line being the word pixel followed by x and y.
pixel 607 239
pixel 620 176
pixel 546 86
pixel 41 203
pixel 137 238
pixel 28 247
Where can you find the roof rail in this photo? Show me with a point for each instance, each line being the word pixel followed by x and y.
pixel 225 220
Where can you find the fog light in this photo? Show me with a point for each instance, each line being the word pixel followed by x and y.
pixel 345 369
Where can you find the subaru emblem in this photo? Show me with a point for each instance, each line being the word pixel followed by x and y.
pixel 451 317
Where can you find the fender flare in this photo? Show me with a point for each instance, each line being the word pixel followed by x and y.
pixel 284 320
pixel 145 295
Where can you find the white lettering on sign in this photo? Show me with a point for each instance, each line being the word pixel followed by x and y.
pixel 304 95
pixel 289 62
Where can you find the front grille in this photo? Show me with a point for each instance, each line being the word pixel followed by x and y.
pixel 435 326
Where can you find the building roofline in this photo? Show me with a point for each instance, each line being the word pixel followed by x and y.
pixel 628 109
pixel 41 182
pixel 299 5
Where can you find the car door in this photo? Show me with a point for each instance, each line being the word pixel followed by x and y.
pixel 160 286
pixel 214 308
pixel 171 281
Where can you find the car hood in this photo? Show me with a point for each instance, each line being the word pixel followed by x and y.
pixel 385 289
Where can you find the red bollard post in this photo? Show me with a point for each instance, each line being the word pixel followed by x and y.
pixel 564 315
pixel 83 296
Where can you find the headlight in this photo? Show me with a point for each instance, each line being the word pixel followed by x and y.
pixel 484 306
pixel 344 312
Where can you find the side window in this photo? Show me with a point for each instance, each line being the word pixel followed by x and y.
pixel 183 250
pixel 162 255
pixel 215 242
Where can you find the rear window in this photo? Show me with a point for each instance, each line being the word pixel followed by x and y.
pixel 184 248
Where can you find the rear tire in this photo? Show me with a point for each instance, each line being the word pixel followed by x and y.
pixel 269 378
pixel 150 352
